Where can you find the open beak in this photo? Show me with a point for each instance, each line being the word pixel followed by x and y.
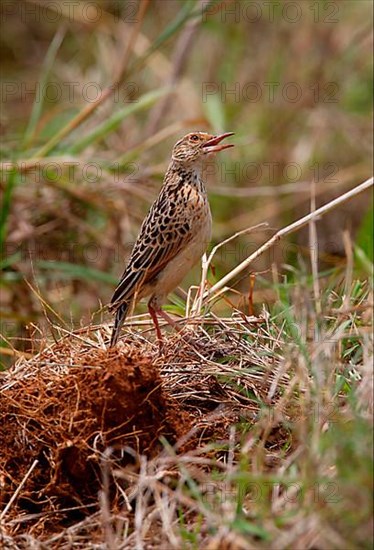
pixel 213 145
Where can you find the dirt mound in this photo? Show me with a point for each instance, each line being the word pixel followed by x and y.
pixel 65 410
pixel 82 428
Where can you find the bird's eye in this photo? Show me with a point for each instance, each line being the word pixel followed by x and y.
pixel 194 137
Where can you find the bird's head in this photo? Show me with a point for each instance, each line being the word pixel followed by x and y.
pixel 195 147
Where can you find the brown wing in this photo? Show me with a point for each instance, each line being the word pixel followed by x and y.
pixel 164 232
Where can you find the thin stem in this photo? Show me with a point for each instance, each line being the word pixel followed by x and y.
pixel 295 226
pixel 313 245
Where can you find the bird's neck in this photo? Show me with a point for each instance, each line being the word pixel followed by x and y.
pixel 188 174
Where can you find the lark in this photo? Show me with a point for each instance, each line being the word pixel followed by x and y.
pixel 173 236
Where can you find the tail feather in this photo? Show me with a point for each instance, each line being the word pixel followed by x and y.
pixel 121 314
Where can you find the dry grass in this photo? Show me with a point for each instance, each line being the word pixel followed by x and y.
pixel 258 415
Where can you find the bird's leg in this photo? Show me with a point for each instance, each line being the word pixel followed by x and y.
pixel 153 314
pixel 168 319
pixel 174 324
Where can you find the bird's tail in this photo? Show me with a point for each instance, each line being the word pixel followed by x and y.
pixel 121 314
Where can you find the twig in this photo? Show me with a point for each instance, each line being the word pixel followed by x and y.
pixel 349 270
pixel 313 244
pixel 18 490
pixel 13 351
pixel 206 262
pixel 109 535
pixel 286 231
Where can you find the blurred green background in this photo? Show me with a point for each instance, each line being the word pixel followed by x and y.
pixel 94 94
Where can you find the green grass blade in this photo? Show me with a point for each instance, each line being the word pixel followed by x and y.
pixel 214 110
pixel 46 69
pixel 186 13
pixel 182 17
pixel 101 131
pixel 364 238
pixel 76 271
pixel 10 260
pixel 364 261
pixel 6 205
pixel 246 527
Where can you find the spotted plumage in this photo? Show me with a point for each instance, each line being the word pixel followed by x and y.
pixel 173 236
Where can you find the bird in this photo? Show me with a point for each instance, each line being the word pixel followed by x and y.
pixel 173 236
